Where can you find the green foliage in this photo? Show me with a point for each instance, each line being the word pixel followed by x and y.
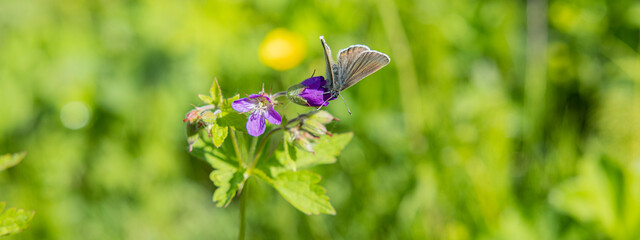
pixel 229 181
pixel 226 176
pixel 10 160
pixel 13 220
pixel 287 155
pixel 219 134
pixel 301 189
pixel 215 93
pixel 206 99
pixel 324 152
pixel 231 118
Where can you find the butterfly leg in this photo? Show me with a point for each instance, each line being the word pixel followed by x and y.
pixel 345 104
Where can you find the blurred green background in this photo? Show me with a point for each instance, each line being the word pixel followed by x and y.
pixel 494 120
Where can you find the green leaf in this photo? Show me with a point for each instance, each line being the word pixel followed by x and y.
pixel 219 134
pixel 206 99
pixel 215 92
pixel 10 160
pixel 301 189
pixel 13 220
pixel 325 151
pixel 218 158
pixel 230 118
pixel 226 176
pixel 228 181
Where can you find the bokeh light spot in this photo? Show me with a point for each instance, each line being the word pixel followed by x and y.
pixel 282 50
pixel 74 115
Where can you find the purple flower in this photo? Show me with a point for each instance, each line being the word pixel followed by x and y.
pixel 261 108
pixel 310 92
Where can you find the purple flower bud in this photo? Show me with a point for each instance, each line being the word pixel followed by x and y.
pixel 310 92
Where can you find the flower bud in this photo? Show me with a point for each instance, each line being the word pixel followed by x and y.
pixel 293 94
pixel 304 140
pixel 192 116
pixel 323 117
pixel 309 128
pixel 310 92
pixel 313 127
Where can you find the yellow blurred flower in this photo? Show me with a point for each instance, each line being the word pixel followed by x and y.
pixel 282 50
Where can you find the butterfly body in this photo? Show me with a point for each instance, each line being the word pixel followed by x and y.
pixel 354 63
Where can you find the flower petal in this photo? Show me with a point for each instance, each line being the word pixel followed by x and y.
pixel 314 82
pixel 244 104
pixel 260 97
pixel 256 124
pixel 315 93
pixel 314 97
pixel 273 116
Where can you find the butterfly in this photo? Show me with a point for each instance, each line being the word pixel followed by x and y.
pixel 354 63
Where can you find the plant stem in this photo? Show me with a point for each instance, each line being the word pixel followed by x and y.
pixel 235 146
pixel 243 209
pixel 252 149
pixel 262 144
pixel 278 94
pixel 206 107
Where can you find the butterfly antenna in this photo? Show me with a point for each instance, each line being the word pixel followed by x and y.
pixel 345 104
pixel 314 73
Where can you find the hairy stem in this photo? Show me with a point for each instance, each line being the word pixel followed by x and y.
pixel 278 94
pixel 252 149
pixel 261 147
pixel 206 107
pixel 243 209
pixel 234 140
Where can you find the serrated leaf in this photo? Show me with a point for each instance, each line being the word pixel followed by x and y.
pixel 13 220
pixel 205 99
pixel 301 189
pixel 218 158
pixel 228 181
pixel 219 134
pixel 226 176
pixel 325 151
pixel 231 118
pixel 10 160
pixel 215 92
